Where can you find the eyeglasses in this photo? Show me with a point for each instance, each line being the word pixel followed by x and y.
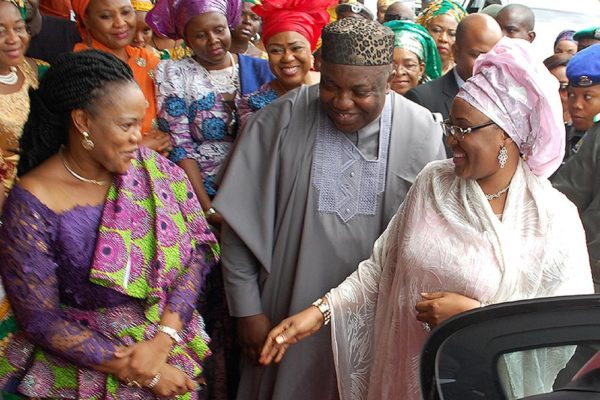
pixel 410 67
pixel 563 87
pixel 458 132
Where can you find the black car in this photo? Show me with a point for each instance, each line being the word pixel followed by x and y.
pixel 465 357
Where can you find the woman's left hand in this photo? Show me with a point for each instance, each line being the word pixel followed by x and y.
pixel 146 358
pixel 173 382
pixel 437 307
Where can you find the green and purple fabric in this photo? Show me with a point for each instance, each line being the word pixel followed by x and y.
pixel 151 252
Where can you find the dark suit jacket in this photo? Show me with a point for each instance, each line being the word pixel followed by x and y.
pixel 57 36
pixel 437 95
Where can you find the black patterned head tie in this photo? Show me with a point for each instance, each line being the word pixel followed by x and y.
pixel 354 41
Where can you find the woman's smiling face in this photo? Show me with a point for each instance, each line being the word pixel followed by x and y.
pixel 289 58
pixel 14 38
pixel 111 22
pixel 476 155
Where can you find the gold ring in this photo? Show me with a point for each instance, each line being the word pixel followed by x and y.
pixel 133 383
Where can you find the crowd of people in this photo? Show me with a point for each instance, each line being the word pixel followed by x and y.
pixel 279 199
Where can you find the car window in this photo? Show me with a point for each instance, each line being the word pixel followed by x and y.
pixel 546 347
pixel 527 373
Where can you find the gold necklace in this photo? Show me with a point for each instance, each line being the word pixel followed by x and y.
pixel 75 174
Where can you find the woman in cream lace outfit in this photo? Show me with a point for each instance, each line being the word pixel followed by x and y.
pixel 484 227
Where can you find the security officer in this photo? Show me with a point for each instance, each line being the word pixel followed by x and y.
pixel 579 178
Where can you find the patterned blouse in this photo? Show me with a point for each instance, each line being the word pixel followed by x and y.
pixel 202 124
pixel 251 103
pixel 74 323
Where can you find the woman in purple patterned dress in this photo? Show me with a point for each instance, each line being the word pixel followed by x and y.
pixel 197 96
pixel 104 247
pixel 291 30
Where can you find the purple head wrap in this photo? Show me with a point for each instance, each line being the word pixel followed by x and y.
pixel 565 35
pixel 169 17
pixel 521 96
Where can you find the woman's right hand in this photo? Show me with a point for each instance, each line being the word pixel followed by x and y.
pixel 173 382
pixel 290 331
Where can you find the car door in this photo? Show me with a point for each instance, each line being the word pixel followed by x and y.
pixel 530 349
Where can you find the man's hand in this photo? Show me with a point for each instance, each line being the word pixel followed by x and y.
pixel 252 332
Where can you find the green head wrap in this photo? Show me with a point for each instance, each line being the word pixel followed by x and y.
pixel 441 7
pixel 415 38
pixel 20 4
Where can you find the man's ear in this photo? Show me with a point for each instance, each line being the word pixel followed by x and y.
pixel 391 76
pixel 531 35
pixel 454 50
pixel 388 84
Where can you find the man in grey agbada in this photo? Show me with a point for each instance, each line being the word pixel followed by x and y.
pixel 313 181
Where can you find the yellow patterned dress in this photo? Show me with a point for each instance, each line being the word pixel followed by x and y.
pixel 14 110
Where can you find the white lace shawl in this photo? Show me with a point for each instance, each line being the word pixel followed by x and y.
pixel 445 237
